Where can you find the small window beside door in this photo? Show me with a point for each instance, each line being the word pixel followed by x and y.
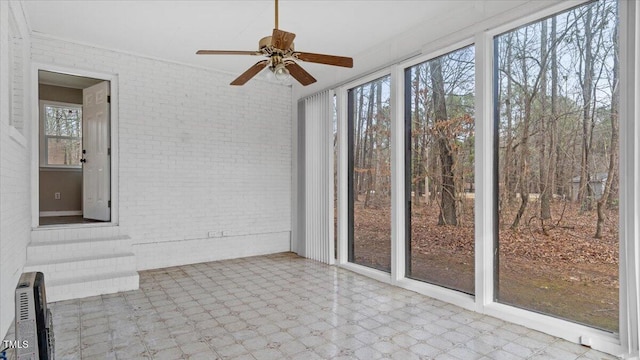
pixel 61 135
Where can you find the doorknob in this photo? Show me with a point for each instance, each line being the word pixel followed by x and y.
pixel 83 160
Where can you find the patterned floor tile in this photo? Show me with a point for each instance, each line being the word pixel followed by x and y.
pixel 285 307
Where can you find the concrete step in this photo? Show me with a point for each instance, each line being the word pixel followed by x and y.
pixel 82 261
pixel 91 285
pixel 45 251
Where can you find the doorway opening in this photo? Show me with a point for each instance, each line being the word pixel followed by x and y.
pixel 74 149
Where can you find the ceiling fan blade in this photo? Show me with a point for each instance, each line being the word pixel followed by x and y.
pixel 253 71
pixel 299 73
pixel 227 52
pixel 281 39
pixel 325 59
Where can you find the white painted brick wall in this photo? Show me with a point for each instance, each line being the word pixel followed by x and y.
pixel 196 155
pixel 15 205
pixel 16 71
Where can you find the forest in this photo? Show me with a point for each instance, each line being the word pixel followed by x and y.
pixel 557 174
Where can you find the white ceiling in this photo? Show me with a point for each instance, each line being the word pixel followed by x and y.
pixel 174 30
pixel 373 32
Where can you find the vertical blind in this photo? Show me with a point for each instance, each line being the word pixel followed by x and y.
pixel 318 189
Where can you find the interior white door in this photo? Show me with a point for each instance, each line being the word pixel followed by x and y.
pixel 96 177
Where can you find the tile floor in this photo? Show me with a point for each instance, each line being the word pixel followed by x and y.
pixel 285 307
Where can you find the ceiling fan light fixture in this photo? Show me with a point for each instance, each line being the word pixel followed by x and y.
pixel 281 72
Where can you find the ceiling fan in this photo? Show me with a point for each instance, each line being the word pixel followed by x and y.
pixel 279 50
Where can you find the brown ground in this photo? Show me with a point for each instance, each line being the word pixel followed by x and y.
pixel 566 273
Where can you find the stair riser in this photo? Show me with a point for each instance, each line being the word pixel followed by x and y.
pixel 92 232
pixel 36 254
pixel 72 274
pixel 70 270
pixel 91 288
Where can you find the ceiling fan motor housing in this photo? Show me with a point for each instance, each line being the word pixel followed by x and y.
pixel 265 43
pixel 276 59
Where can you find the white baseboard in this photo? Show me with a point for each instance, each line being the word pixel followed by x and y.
pixel 60 213
pixel 156 255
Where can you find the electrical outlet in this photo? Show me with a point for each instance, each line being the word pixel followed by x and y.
pixel 56 196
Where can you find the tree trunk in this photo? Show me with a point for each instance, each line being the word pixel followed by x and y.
pixel 524 148
pixel 434 183
pixel 554 149
pixel 357 146
pixel 368 147
pixel 416 164
pixel 613 156
pixel 524 168
pixel 509 183
pixel 613 160
pixel 448 200
pixel 378 134
pixel 545 190
pixel 584 194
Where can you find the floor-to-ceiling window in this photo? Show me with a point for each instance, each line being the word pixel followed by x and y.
pixel 515 196
pixel 369 174
pixel 439 182
pixel 556 86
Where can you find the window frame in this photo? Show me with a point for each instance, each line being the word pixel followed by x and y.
pixel 44 153
pixel 588 332
pixel 349 146
pixel 407 155
pixel 613 343
pixel 345 163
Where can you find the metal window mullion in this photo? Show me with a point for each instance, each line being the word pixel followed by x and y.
pixel 343 175
pixel 398 174
pixel 407 168
pixel 485 168
pixel 350 169
pixel 629 14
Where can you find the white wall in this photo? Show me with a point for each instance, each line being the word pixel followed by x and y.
pixel 196 156
pixel 15 210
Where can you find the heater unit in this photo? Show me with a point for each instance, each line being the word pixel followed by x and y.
pixel 34 330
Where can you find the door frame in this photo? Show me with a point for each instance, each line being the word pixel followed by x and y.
pixel 35 142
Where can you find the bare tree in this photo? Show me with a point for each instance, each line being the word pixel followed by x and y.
pixel 586 68
pixel 448 214
pixel 544 158
pixel 613 155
